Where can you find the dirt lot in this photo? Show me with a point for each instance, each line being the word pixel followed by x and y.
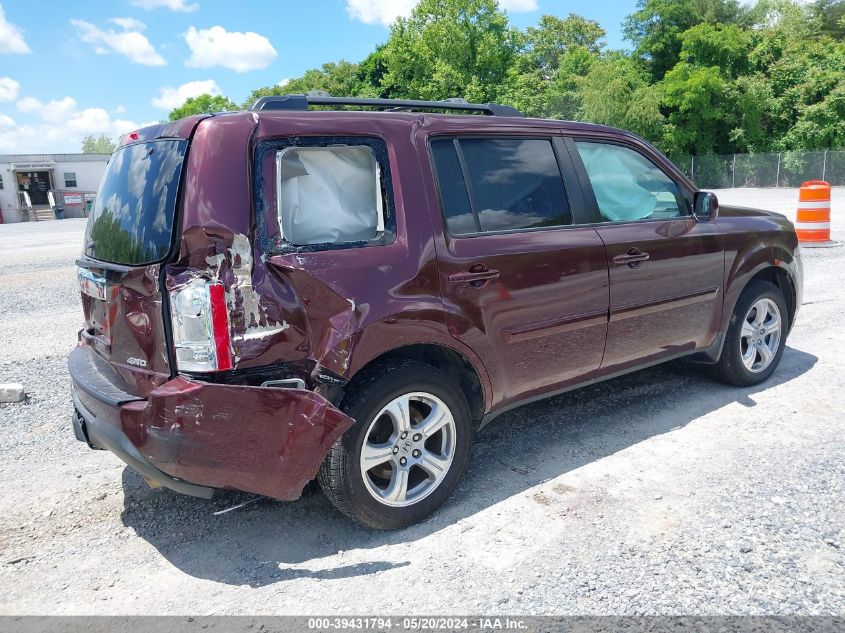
pixel 661 492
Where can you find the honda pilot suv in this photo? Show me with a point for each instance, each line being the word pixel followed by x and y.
pixel 351 293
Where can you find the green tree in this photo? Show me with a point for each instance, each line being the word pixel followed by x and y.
pixel 657 26
pixel 700 114
pixel 807 83
pixel 450 48
pixel 542 79
pixel 371 73
pixel 341 79
pixel 706 76
pixel 203 104
pixel 786 16
pixel 702 97
pixel 616 92
pixel 828 18
pixel 723 46
pixel 552 39
pixel 98 144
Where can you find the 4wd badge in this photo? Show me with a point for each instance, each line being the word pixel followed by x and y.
pixel 137 362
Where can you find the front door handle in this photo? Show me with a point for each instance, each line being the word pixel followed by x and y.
pixel 477 276
pixel 633 258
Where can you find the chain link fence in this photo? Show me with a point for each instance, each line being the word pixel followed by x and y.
pixel 785 169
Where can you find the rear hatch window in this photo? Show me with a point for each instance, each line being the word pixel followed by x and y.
pixel 132 219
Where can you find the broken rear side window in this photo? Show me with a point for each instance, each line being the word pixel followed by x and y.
pixel 317 193
pixel 329 195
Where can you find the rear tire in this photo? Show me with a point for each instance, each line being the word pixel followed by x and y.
pixel 756 336
pixel 414 430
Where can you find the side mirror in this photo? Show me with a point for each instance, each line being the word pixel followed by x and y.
pixel 706 206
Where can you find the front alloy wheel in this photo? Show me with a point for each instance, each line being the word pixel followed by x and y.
pixel 760 335
pixel 756 336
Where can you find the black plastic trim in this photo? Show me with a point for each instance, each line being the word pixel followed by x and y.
pixel 96 377
pixel 302 102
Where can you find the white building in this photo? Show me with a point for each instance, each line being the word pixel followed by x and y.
pixel 32 185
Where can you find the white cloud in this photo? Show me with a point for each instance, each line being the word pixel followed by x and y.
pixel 119 109
pixel 129 24
pixel 379 11
pixel 386 11
pixel 128 42
pixel 54 111
pixel 169 98
pixel 9 89
pixel 284 82
pixel 60 110
pixel 518 6
pixel 11 37
pixel 173 5
pixel 240 52
pixel 60 126
pixel 29 104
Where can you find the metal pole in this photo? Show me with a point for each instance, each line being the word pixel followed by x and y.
pixel 777 175
pixel 733 173
pixel 824 164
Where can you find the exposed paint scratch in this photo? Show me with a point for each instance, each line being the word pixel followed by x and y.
pixel 242 298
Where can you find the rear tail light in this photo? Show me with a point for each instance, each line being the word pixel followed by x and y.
pixel 201 327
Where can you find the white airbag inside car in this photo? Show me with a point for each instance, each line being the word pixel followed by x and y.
pixel 615 173
pixel 329 194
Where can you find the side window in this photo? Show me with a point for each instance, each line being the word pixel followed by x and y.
pixel 499 184
pixel 70 179
pixel 329 195
pixel 628 186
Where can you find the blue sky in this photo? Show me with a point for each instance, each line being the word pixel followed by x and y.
pixel 68 69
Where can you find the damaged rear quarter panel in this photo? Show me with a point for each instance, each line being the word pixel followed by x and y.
pixel 331 310
pixel 335 309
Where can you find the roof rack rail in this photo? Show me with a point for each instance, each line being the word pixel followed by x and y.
pixel 301 102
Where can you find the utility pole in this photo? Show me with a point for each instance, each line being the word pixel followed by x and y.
pixel 824 164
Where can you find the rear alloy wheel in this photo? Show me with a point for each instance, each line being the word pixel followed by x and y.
pixel 756 336
pixel 408 449
pixel 406 452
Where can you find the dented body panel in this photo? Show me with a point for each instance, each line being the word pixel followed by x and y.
pixel 268 441
pixel 263 440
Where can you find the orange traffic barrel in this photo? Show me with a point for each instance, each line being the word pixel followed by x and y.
pixel 812 225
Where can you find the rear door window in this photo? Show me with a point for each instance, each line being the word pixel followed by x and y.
pixel 131 221
pixel 499 184
pixel 628 186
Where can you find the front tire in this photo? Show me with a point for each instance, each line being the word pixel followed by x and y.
pixel 756 336
pixel 408 449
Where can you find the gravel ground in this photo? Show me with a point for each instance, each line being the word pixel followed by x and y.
pixel 662 492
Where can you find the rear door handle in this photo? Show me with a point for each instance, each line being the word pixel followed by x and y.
pixel 476 276
pixel 633 258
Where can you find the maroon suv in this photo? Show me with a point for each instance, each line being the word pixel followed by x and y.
pixel 281 294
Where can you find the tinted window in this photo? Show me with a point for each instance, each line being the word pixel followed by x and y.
pixel 503 184
pixel 627 185
pixel 132 218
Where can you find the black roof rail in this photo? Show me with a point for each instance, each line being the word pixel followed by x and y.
pixel 301 102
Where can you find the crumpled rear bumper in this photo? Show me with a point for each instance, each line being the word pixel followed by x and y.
pixel 192 436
